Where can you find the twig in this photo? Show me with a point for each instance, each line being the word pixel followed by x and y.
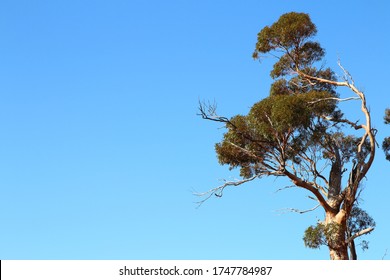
pixel 284 188
pixel 384 255
pixel 218 191
pixel 300 211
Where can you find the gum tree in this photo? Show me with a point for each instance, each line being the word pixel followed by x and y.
pixel 386 141
pixel 299 132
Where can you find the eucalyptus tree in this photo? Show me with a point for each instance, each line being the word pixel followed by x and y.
pixel 299 132
pixel 386 141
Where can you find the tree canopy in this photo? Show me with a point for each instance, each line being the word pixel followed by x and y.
pixel 299 132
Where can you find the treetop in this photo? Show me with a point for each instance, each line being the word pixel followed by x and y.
pixel 290 35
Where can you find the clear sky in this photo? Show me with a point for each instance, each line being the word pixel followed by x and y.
pixel 101 147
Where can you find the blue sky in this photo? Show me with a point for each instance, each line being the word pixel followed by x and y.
pixel 101 148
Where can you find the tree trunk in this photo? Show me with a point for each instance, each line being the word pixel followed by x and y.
pixel 335 234
pixel 352 250
pixel 338 254
pixel 335 223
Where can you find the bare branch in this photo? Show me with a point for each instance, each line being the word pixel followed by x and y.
pixel 285 188
pixel 352 124
pixel 303 184
pixel 218 191
pixel 360 233
pixel 313 170
pixel 209 112
pixel 347 75
pixel 300 211
pixel 310 79
pixel 334 98
pixel 384 255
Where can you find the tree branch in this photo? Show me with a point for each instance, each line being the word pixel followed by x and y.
pixel 334 98
pixel 285 188
pixel 369 133
pixel 218 191
pixel 303 184
pixel 301 211
pixel 352 124
pixel 209 112
pixel 360 233
pixel 313 170
pixel 385 254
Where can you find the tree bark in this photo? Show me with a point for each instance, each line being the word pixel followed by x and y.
pixel 336 225
pixel 352 249
pixel 335 176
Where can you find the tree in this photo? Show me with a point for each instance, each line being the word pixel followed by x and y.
pixel 386 141
pixel 299 132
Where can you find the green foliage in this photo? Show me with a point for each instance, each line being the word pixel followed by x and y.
pixel 298 85
pixel 387 116
pixel 386 141
pixel 359 220
pixel 290 30
pixel 280 87
pixel 279 113
pixel 316 236
pixel 289 119
pixel 290 34
pixel 280 117
pixel 386 147
pixel 229 151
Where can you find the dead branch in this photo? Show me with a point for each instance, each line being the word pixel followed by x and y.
pixel 218 191
pixel 285 188
pixel 298 210
pixel 347 75
pixel 209 112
